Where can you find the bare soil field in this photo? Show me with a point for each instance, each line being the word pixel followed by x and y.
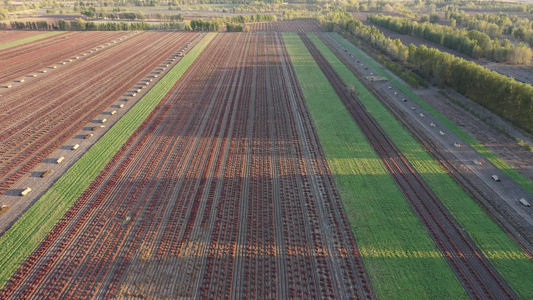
pixel 286 26
pixel 39 114
pixel 223 192
pixel 7 36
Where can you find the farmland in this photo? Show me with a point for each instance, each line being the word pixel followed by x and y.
pixel 38 115
pixel 455 200
pixel 11 39
pixel 261 164
pixel 286 26
pixel 201 204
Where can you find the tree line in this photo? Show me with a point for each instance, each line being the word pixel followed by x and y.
pixel 79 25
pixel 472 43
pixel 502 95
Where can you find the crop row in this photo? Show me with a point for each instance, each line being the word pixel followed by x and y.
pixel 223 192
pixel 487 235
pixel 28 39
pixel 494 159
pixel 396 248
pixel 34 225
pixel 24 59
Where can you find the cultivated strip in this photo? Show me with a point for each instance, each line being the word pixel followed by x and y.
pixel 401 259
pixel 36 223
pixel 473 269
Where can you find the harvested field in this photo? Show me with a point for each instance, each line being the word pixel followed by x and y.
pixel 238 202
pixel 39 114
pixel 305 25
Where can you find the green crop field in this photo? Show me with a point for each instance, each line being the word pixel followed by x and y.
pixel 501 251
pixel 494 159
pixel 400 257
pixel 33 226
pixel 30 39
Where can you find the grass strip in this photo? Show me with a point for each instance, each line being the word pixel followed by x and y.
pixel 400 257
pixel 33 226
pixel 501 251
pixel 489 155
pixel 29 39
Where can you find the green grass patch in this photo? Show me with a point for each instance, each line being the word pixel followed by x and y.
pixel 489 155
pixel 29 39
pixel 501 251
pixel 33 226
pixel 400 257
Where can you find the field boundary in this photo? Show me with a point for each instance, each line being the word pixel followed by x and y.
pixel 489 155
pixel 33 226
pixel 499 249
pixel 29 39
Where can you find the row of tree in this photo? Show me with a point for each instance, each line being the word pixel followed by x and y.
pixel 237 23
pixel 502 95
pixel 494 6
pixel 205 25
pixel 79 25
pixel 236 27
pixel 472 43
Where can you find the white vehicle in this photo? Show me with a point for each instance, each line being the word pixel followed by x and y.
pixel 524 202
pixel 25 192
pixel 477 162
pixel 432 125
pixel 441 132
pixel 422 115
pixel 495 178
pixel 457 145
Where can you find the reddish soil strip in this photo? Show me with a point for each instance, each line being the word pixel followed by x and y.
pixel 223 192
pixel 304 25
pixel 474 271
pixel 19 61
pixel 38 117
pixel 8 36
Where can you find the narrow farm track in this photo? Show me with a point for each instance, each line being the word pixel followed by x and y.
pixel 223 192
pixel 39 117
pixel 21 60
pixel 478 277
